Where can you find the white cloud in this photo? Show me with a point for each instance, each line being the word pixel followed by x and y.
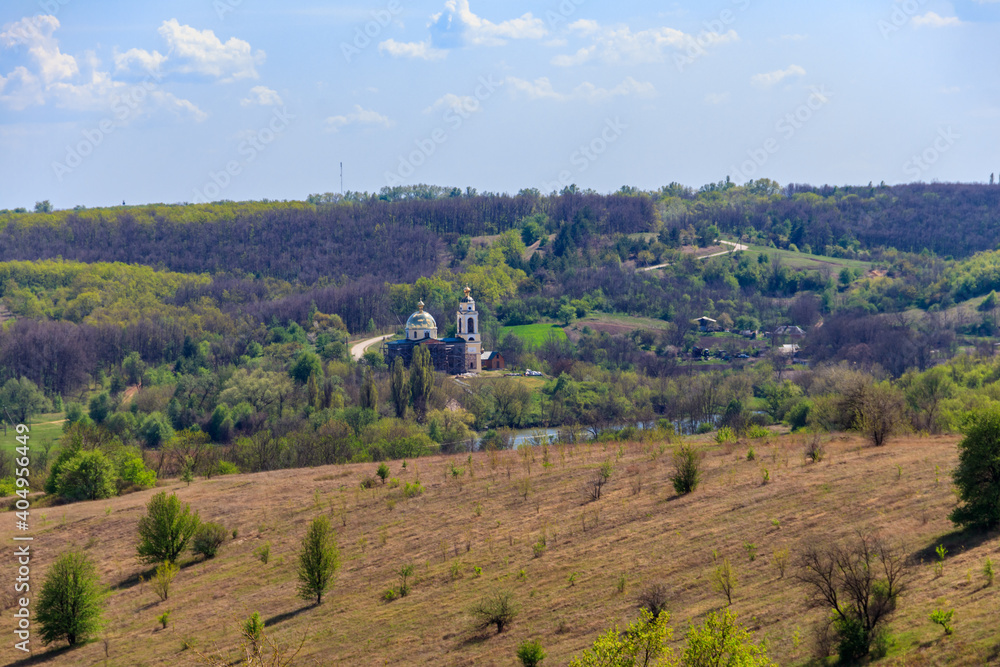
pixel 262 96
pixel 459 103
pixel 61 80
pixel 542 89
pixel 935 20
pixel 620 45
pixel 416 50
pixel 359 116
pixel 768 79
pixel 193 51
pixel 147 61
pixel 36 33
pixel 457 25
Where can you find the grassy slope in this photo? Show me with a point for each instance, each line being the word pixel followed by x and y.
pixel 536 334
pixel 650 536
pixel 45 429
pixel 800 260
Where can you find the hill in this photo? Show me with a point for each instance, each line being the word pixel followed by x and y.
pixel 597 556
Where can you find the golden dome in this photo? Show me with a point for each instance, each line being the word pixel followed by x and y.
pixel 421 319
pixel 467 298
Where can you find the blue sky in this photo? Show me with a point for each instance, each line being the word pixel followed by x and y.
pixel 193 100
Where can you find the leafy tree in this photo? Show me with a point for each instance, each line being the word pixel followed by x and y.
pixel 134 368
pixel 977 476
pixel 369 392
pixel 156 429
pixel 166 529
pixel 723 641
pixel 567 314
pixel 399 388
pixel 318 560
pixel 687 469
pixel 642 643
pixel 22 398
pixel 100 407
pixel 89 475
pixel 306 365
pixel 421 379
pixel 70 604
pixel 44 206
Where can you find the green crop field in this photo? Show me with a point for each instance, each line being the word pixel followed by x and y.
pixel 536 334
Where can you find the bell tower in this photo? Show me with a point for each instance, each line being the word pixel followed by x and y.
pixel 468 330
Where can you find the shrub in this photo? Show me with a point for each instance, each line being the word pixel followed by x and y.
pixel 756 431
pixel 988 571
pixel 89 475
pixel 724 435
pixel 530 653
pixel 263 552
pixel 751 455
pixel 943 618
pixel 600 478
pixel 654 599
pixel 367 482
pixel 164 576
pixel 687 469
pixel 815 449
pixel 499 608
pixel 780 559
pixel 253 631
pixel 164 618
pixel 207 539
pixel 412 490
pixel 318 560
pixel 977 475
pixel 132 472
pixel 538 548
pixel 227 468
pixel 165 530
pixel 382 472
pixel 71 600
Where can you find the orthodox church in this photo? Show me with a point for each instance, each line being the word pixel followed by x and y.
pixel 462 354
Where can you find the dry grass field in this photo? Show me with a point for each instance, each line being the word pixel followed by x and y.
pixel 597 557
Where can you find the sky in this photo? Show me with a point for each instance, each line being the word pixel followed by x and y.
pixel 107 101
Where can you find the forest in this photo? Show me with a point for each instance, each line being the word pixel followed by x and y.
pixel 196 334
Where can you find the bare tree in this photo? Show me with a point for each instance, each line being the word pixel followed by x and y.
pixel 860 582
pixel 880 413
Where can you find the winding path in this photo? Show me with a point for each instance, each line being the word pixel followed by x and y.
pixel 735 248
pixel 358 349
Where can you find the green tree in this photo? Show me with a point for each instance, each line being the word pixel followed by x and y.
pixel 642 643
pixel 567 314
pixel 156 429
pixel 166 529
pixel 399 388
pixel 134 368
pixel 421 379
pixel 318 560
pixel 977 476
pixel 369 392
pixel 306 365
pixel 44 206
pixel 100 407
pixel 530 653
pixel 70 604
pixel 723 641
pixel 89 475
pixel 22 398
